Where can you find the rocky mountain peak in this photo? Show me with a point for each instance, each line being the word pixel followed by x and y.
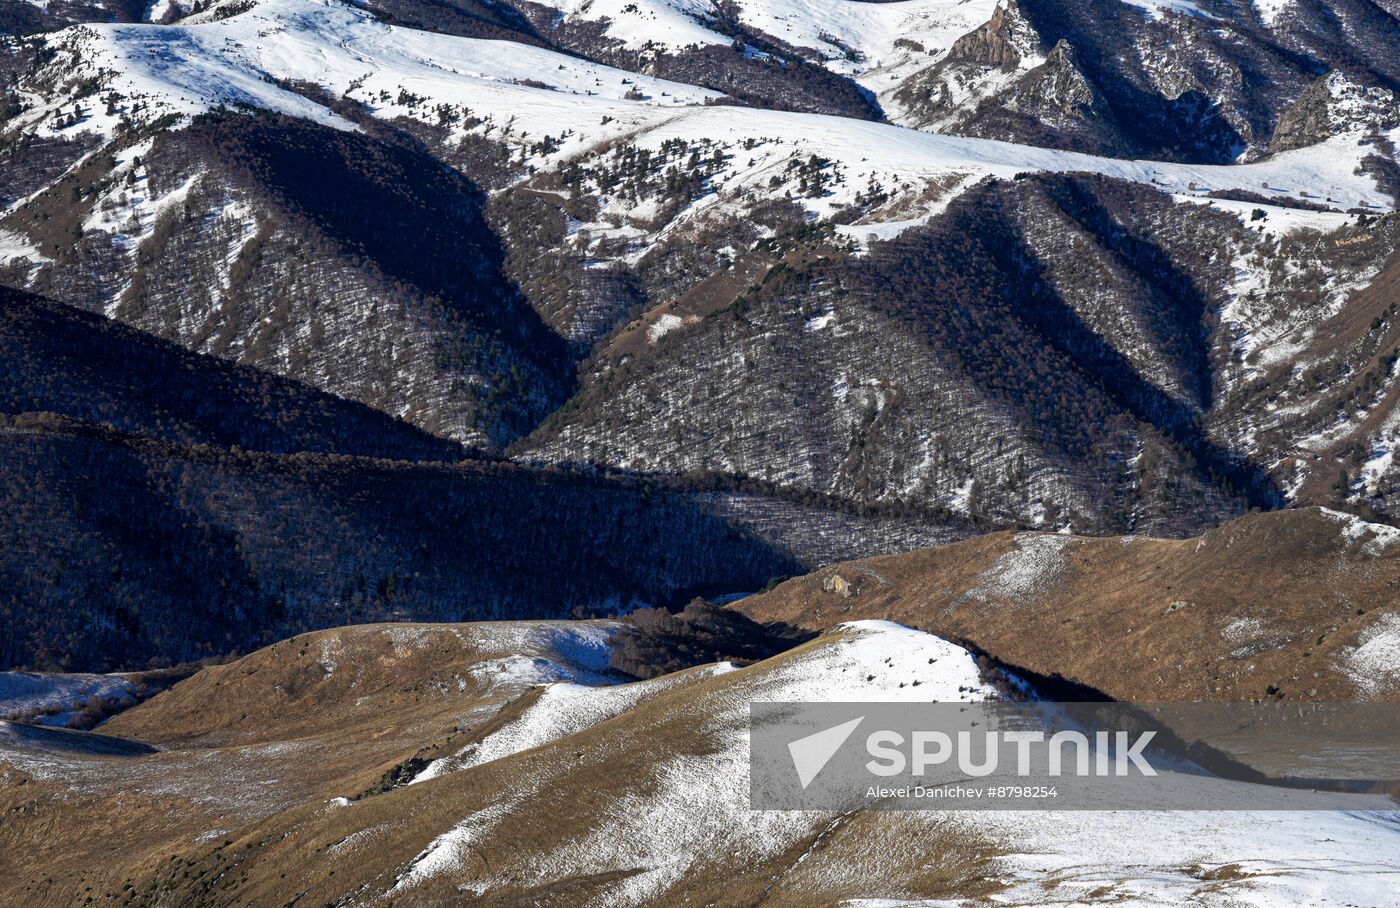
pixel 1001 42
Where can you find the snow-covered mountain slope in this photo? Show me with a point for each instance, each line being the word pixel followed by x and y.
pixel 246 60
pixel 631 794
pixel 1186 81
pixel 527 96
pixel 617 219
pixel 1149 78
pixel 1140 79
pixel 869 40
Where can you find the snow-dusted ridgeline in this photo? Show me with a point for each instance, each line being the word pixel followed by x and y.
pixel 520 95
pixel 669 821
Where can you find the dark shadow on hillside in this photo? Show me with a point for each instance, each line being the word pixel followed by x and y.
pixel 1187 128
pixel 970 285
pixel 119 552
pixel 420 223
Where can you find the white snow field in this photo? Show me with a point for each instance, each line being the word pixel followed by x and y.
pixel 856 39
pixel 519 95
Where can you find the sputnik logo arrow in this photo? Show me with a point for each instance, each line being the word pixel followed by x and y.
pixel 811 754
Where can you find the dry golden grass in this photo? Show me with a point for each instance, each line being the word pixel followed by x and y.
pixel 240 809
pixel 1265 606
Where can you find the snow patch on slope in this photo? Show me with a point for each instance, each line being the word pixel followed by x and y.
pixel 682 810
pixel 1158 9
pixel 54 699
pixel 1266 334
pixel 653 826
pixel 1373 664
pixel 1380 458
pixel 14 247
pixel 857 38
pixel 129 215
pixel 1375 538
pixel 1163 859
pixel 564 709
pixel 647 24
pixel 1033 563
pixel 663 326
pixel 690 806
pixel 447 852
pixel 1270 10
pixel 541 652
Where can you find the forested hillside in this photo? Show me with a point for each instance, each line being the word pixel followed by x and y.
pixel 118 550
pixel 67 362
pixel 817 279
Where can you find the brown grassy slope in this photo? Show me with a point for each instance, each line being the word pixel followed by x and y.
pixel 1270 601
pixel 318 716
pixel 399 679
pixel 646 807
pixel 654 797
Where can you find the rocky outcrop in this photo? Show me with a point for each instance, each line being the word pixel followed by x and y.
pixel 994 44
pixel 1056 88
pixel 1330 106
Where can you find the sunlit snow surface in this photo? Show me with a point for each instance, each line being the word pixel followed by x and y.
pixel 1270 10
pixel 850 37
pixel 189 68
pixel 697 803
pixel 1156 9
pixel 520 94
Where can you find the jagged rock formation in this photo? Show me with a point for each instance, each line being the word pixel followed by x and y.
pixel 1204 82
pixel 1332 105
pixel 977 65
pixel 1052 104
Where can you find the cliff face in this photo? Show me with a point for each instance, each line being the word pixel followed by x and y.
pixel 992 44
